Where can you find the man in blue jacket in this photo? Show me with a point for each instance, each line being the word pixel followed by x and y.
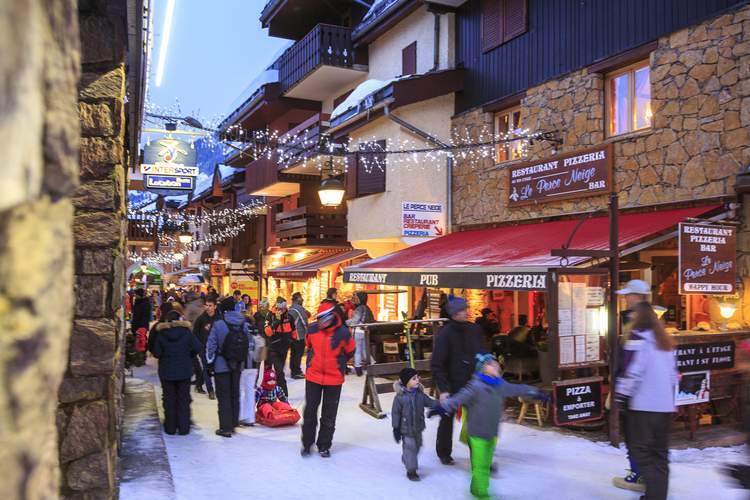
pixel 227 375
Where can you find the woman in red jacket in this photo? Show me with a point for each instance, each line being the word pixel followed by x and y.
pixel 329 346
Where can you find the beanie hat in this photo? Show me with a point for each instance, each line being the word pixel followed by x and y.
pixel 483 359
pixel 325 310
pixel 269 379
pixel 455 305
pixel 406 375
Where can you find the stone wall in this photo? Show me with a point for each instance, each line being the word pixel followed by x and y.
pixel 90 397
pixel 700 139
pixel 39 70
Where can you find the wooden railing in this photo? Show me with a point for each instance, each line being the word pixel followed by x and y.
pixel 305 226
pixel 324 45
pixel 303 138
pixel 139 230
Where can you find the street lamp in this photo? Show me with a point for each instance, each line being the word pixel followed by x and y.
pixel 331 192
pixel 185 237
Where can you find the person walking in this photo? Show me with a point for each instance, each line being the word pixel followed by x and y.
pixel 329 346
pixel 362 315
pixel 263 316
pixel 279 340
pixel 452 364
pixel 227 351
pixel 141 316
pixel 175 348
pixel 635 292
pixel 201 328
pixel 645 391
pixel 299 316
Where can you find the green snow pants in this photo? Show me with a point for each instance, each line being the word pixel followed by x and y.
pixel 482 451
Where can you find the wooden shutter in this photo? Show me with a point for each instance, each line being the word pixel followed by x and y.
pixel 409 59
pixel 492 24
pixel 371 169
pixel 514 18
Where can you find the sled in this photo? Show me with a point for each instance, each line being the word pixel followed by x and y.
pixel 277 418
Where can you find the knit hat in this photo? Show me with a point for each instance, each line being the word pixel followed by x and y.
pixel 455 305
pixel 269 379
pixel 263 302
pixel 406 375
pixel 483 359
pixel 326 310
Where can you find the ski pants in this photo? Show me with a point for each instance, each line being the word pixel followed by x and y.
pixel 228 395
pixel 176 401
pixel 329 395
pixel 624 426
pixel 482 451
pixel 295 360
pixel 648 433
pixel 277 358
pixel 410 446
pixel 360 353
pixel 200 368
pixel 444 443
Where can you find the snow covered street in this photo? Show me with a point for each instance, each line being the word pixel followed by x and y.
pixel 366 463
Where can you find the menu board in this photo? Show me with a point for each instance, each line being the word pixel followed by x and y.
pixel 577 400
pixel 708 259
pixel 579 322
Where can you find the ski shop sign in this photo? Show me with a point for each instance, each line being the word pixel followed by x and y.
pixel 422 220
pixel 177 182
pixel 169 166
pixel 708 259
pixel 530 281
pixel 710 356
pixel 577 400
pixel 563 177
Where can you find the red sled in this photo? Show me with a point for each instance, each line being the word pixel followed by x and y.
pixel 277 415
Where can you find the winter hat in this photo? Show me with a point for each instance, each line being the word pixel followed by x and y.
pixel 269 379
pixel 483 359
pixel 263 302
pixel 406 375
pixel 455 305
pixel 326 310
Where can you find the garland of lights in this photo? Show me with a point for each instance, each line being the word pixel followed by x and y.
pixel 222 216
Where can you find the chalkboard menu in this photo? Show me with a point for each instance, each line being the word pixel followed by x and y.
pixel 577 400
pixel 710 356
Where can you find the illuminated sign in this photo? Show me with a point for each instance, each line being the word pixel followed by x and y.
pixel 169 182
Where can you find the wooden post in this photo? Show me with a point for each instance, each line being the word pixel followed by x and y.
pixel 612 336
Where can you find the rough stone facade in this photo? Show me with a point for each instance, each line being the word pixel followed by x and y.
pixel 90 397
pixel 699 141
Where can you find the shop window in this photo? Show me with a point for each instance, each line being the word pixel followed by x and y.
pixel 409 59
pixel 629 99
pixel 502 20
pixel 371 168
pixel 507 122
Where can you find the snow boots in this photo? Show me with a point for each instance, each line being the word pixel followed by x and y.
pixel 412 475
pixel 632 482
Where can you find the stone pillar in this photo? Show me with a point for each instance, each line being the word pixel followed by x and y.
pixel 90 397
pixel 39 132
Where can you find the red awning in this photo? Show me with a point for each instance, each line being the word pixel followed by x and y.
pixel 473 259
pixel 309 266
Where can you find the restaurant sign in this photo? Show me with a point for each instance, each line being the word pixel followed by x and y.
pixel 708 259
pixel 481 280
pixel 419 219
pixel 577 400
pixel 710 356
pixel 562 177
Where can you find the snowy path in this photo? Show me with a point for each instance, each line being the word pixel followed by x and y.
pixel 366 463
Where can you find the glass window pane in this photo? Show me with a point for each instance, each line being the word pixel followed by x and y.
pixel 516 151
pixel 503 126
pixel 642 98
pixel 619 117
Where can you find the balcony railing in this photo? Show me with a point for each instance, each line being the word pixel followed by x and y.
pixel 303 139
pixel 325 45
pixel 306 227
pixel 141 230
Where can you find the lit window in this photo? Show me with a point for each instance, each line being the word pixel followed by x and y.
pixel 629 99
pixel 508 122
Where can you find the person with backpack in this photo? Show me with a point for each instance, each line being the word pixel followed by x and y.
pixel 175 348
pixel 201 329
pixel 228 350
pixel 362 315
pixel 299 315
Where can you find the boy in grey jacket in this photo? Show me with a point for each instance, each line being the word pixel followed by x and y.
pixel 483 399
pixel 407 417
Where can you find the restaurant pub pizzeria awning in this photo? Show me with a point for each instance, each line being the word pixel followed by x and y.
pixel 511 257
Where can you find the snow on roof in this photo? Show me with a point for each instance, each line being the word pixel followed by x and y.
pixel 363 90
pixel 377 9
pixel 202 183
pixel 226 172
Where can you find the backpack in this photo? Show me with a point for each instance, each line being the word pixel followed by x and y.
pixel 236 346
pixel 141 340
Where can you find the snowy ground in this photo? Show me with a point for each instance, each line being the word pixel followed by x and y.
pixel 366 463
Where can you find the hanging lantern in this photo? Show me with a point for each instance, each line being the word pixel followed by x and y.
pixel 331 192
pixel 185 237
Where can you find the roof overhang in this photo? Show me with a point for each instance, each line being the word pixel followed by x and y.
pixel 264 106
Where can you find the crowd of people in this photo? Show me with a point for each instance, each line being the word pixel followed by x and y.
pixel 212 340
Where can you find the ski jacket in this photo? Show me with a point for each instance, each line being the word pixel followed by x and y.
pixel 456 346
pixel 270 396
pixel 300 316
pixel 175 348
pixel 281 333
pixel 141 314
pixel 202 326
pixel 485 403
pixel 649 374
pixel 327 353
pixel 407 412
pixel 216 337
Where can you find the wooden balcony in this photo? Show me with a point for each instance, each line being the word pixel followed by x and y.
pixel 323 60
pixel 263 178
pixel 306 227
pixel 301 146
pixel 141 233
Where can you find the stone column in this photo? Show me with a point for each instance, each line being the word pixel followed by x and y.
pixel 39 131
pixel 90 397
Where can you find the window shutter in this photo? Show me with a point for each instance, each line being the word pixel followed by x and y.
pixel 371 170
pixel 409 59
pixel 492 24
pixel 515 19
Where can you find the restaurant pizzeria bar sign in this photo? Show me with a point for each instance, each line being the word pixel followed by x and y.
pixel 708 259
pixel 563 177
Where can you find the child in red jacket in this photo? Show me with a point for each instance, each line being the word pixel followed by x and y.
pixel 273 408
